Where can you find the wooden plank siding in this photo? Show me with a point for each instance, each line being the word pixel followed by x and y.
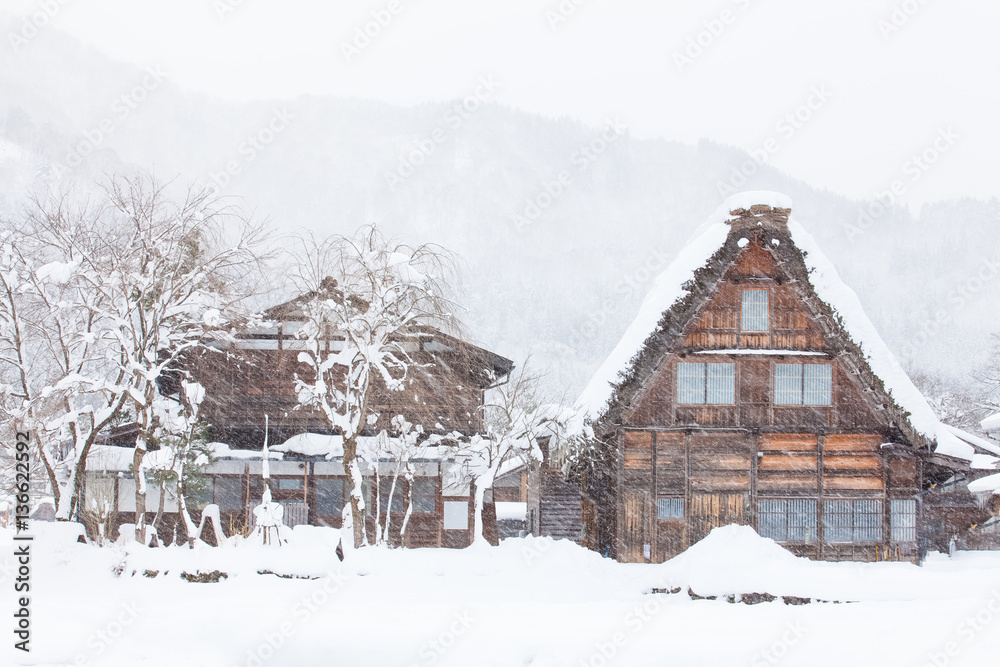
pixel 724 459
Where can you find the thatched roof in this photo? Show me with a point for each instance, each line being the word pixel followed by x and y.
pixel 681 291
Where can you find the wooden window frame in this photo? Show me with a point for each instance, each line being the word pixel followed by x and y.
pixel 705 390
pixel 802 385
pixel 767 293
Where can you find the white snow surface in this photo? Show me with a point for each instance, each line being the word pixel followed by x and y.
pixel 982 443
pixel 986 484
pixel 991 423
pixel 533 602
pixel 668 289
pixel 313 444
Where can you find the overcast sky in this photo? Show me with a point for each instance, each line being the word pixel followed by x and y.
pixel 886 79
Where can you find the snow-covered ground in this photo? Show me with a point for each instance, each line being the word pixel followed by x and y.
pixel 527 602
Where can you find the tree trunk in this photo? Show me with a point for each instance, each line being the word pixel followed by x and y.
pixel 357 497
pixel 482 483
pixel 140 493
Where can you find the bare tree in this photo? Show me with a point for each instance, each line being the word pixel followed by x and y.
pixel 514 419
pixel 112 293
pixel 371 300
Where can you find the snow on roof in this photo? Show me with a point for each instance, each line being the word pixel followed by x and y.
pixel 982 443
pixel 313 444
pixel 668 289
pixel 511 510
pixel 986 484
pixel 985 462
pixel 831 289
pixel 991 423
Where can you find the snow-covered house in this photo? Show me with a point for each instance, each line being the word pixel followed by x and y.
pixel 254 375
pixel 752 388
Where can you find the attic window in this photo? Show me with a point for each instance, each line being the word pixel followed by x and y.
pixel 701 383
pixel 803 384
pixel 755 310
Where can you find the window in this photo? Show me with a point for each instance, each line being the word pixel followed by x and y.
pixel 803 384
pixel 456 515
pixel 290 484
pixel 755 310
pixel 398 495
pixel 229 493
pixel 669 508
pixel 699 383
pixel 852 521
pixel 424 495
pixel 787 520
pixel 330 496
pixel 903 520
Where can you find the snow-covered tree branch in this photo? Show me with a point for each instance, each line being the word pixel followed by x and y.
pixel 369 300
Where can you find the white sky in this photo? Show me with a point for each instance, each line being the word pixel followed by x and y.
pixel 890 94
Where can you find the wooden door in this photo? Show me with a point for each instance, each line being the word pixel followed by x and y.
pixel 636 534
pixel 711 510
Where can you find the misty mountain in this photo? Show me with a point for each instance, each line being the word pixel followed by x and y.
pixel 561 227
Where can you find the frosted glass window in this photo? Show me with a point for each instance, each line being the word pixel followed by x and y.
pixel 838 522
pixel 456 515
pixel 788 384
pixel 690 383
pixel 803 384
pixel 755 310
pixel 669 508
pixel 817 384
pixel 867 520
pixel 772 519
pixel 787 520
pixel 801 520
pixel 903 519
pixel 721 384
pixel 852 521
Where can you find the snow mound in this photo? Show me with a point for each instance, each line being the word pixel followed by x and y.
pixel 731 559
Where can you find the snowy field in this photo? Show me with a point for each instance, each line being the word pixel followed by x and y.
pixel 527 602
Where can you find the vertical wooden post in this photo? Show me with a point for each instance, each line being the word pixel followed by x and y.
pixel 688 510
pixel 820 502
pixel 754 469
pixel 653 514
